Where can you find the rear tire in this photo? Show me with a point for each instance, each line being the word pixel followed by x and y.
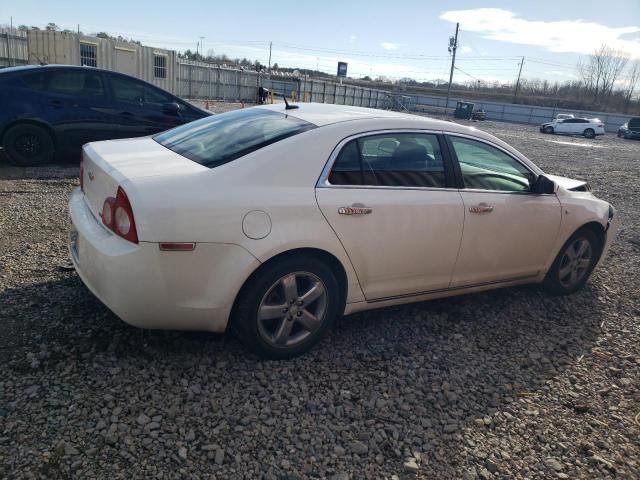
pixel 548 129
pixel 573 265
pixel 589 133
pixel 28 145
pixel 287 307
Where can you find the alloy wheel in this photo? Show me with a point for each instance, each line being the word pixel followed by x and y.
pixel 575 262
pixel 28 145
pixel 293 309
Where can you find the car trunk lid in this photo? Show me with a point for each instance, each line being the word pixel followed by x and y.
pixel 108 164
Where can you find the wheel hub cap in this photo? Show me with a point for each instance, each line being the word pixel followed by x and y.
pixel 292 309
pixel 575 263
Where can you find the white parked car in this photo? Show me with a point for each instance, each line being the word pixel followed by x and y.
pixel 589 127
pixel 276 221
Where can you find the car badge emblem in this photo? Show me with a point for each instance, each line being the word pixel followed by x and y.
pixel 91 176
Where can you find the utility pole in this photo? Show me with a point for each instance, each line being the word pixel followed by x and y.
pixel 515 94
pixel 9 52
pixel 269 68
pixel 453 46
pixel 202 45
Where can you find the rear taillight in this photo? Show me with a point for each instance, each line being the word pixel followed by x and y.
pixel 601 126
pixel 117 216
pixel 82 173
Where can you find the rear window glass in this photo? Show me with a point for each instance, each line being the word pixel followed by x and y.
pixel 218 139
pixel 634 123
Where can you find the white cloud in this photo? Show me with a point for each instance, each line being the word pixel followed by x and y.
pixel 564 36
pixel 353 38
pixel 465 49
pixel 392 46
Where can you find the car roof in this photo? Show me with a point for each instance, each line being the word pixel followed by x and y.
pixel 322 114
pixel 52 66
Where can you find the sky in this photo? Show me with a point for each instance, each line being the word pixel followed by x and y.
pixel 376 38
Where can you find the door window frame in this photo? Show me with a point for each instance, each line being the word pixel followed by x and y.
pixel 458 172
pixel 449 170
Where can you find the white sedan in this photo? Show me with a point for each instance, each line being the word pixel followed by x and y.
pixel 588 127
pixel 275 221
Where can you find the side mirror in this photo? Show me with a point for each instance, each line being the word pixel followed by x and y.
pixel 172 108
pixel 543 185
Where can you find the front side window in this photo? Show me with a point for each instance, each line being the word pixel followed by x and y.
pixel 78 83
pixel 88 55
pixel 392 160
pixel 126 90
pixel 219 139
pixel 485 167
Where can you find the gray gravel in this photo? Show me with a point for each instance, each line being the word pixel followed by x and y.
pixel 505 384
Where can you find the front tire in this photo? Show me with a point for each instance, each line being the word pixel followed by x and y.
pixel 548 129
pixel 28 145
pixel 287 307
pixel 574 264
pixel 590 133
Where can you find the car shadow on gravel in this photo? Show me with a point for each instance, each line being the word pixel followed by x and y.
pixel 399 380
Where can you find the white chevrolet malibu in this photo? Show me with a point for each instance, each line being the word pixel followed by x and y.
pixel 274 221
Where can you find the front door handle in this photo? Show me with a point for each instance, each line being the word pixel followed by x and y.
pixel 481 208
pixel 355 209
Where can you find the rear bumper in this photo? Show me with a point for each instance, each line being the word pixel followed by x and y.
pixel 150 288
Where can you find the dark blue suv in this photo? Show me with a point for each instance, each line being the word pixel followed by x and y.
pixel 48 112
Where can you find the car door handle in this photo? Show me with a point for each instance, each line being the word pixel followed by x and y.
pixel 355 209
pixel 56 103
pixel 481 208
pixel 126 114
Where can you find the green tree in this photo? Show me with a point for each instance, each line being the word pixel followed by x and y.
pixel 52 27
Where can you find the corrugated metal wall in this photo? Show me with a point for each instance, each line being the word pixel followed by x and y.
pixel 200 80
pixel 13 47
pixel 136 60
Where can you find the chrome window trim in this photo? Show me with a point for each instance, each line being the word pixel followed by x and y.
pixel 323 181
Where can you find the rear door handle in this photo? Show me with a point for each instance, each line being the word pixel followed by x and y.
pixel 56 103
pixel 126 114
pixel 355 209
pixel 481 208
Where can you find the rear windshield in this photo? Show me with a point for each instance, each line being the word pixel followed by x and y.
pixel 634 123
pixel 218 139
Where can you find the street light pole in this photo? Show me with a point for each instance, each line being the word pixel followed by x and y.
pixel 452 48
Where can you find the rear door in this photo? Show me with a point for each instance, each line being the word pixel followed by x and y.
pixel 509 232
pixel 139 107
pixel 77 104
pixel 389 198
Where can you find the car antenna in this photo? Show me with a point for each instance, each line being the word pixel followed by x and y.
pixel 287 106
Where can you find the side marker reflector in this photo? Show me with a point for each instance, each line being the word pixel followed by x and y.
pixel 177 247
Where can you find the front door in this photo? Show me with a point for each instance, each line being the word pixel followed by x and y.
pixel 387 198
pixel 508 231
pixel 139 107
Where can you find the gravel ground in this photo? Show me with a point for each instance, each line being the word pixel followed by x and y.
pixel 506 384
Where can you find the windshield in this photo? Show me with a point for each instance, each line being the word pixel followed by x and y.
pixel 634 123
pixel 219 139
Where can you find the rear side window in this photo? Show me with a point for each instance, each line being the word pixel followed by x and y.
pixel 392 160
pixel 35 81
pixel 219 139
pixel 77 84
pixel 634 123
